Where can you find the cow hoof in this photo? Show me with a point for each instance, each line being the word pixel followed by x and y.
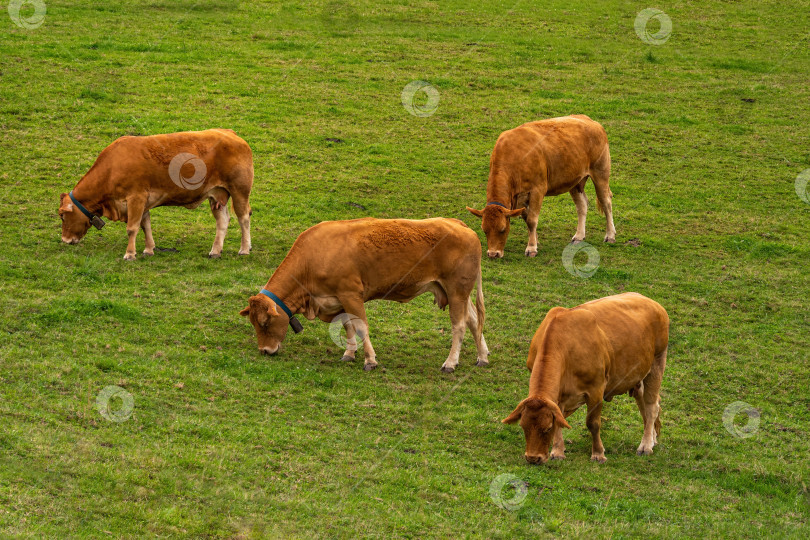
pixel 599 459
pixel 347 358
pixel 241 252
pixel 148 253
pixel 482 363
pixel 446 369
pixel 369 367
pixel 531 253
pixel 129 257
pixel 576 240
pixel 213 255
pixel 644 452
pixel 610 240
pixel 557 456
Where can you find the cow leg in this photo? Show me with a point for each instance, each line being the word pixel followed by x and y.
pixel 135 209
pixel 241 208
pixel 558 448
pixel 648 399
pixel 581 202
pixel 220 211
pixel 480 342
pixel 458 318
pixel 531 217
pixel 351 341
pixel 357 315
pixel 594 422
pixel 600 174
pixel 146 225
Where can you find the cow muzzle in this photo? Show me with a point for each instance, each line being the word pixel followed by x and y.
pixel 536 460
pixel 268 350
pixel 492 254
pixel 71 241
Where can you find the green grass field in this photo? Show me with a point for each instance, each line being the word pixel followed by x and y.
pixel 708 133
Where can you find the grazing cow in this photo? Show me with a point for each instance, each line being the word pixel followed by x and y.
pixel 541 159
pixel 335 267
pixel 135 174
pixel 588 354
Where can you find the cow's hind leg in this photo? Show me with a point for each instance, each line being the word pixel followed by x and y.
pixel 458 319
pixel 241 207
pixel 480 342
pixel 648 399
pixel 220 211
pixel 146 225
pixel 581 202
pixel 594 423
pixel 600 174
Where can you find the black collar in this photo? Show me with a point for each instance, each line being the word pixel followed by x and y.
pixel 497 204
pixel 294 322
pixel 95 220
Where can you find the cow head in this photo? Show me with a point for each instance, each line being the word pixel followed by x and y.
pixel 538 418
pixel 270 323
pixel 495 223
pixel 74 223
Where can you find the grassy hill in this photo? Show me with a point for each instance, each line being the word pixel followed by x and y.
pixel 708 127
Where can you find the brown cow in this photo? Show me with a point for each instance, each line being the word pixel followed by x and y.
pixel 541 159
pixel 135 174
pixel 588 354
pixel 335 267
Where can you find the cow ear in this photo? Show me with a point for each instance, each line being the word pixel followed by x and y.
pixel 515 416
pixel 245 312
pixel 62 197
pixel 558 415
pixel 272 311
pixel 477 213
pixel 516 213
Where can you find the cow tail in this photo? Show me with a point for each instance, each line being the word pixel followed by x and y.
pixel 479 303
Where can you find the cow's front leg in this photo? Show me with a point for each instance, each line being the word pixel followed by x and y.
pixel 351 340
pixel 594 422
pixel 146 225
pixel 356 310
pixel 558 449
pixel 135 209
pixel 531 217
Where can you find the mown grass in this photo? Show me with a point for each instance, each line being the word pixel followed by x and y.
pixel 708 132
